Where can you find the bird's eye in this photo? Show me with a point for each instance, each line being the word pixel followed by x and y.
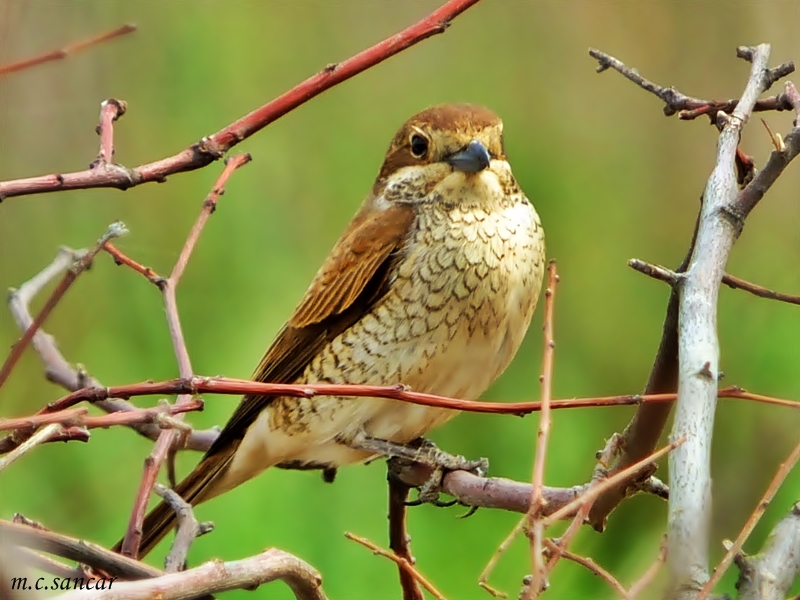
pixel 419 145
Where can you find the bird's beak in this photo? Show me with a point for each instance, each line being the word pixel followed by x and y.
pixel 475 157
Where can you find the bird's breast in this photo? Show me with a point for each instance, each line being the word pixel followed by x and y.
pixel 459 303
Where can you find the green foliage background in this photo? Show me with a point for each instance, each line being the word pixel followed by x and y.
pixel 610 176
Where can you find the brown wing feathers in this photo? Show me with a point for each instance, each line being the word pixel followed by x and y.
pixel 351 280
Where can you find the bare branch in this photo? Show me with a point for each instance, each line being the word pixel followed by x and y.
pixel 114 230
pixel 216 576
pixel 691 108
pixel 690 465
pixel 169 437
pixel 399 540
pixel 59 371
pixel 735 549
pixel 65 51
pixel 189 528
pixel 214 146
pixel 769 574
pixel 77 550
pixel 38 438
pixel 401 562
pixel 533 520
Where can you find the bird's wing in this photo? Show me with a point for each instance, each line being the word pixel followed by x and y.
pixel 352 279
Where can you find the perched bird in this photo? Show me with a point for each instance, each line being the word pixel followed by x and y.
pixel 432 285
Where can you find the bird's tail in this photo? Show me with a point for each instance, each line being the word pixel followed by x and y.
pixel 194 489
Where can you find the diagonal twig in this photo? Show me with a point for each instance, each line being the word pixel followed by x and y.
pixel 114 230
pixel 65 51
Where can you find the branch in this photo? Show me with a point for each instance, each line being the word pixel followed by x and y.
pixel 114 230
pixel 787 567
pixel 78 417
pixel 770 574
pixel 38 438
pixel 645 429
pixel 58 370
pixel 690 465
pixel 189 528
pixel 65 51
pixel 213 147
pixel 216 576
pixel 673 279
pixel 77 550
pixel 169 437
pixel 403 563
pixel 533 520
pixel 690 108
pixel 399 540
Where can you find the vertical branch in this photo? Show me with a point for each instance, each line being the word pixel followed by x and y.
pixel 168 438
pixel 698 349
pixel 534 521
pixel 399 538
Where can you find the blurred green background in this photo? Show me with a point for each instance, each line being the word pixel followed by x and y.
pixel 611 177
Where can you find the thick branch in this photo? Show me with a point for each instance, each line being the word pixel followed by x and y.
pixel 216 576
pixel 690 465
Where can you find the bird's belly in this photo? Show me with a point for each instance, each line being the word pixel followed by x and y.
pixel 454 317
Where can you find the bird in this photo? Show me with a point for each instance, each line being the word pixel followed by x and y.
pixel 432 285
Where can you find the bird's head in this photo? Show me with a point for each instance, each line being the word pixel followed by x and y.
pixel 447 147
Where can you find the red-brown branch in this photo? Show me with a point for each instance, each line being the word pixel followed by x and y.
pixel 214 146
pixel 167 440
pixel 399 540
pixel 79 417
pixel 121 258
pixel 65 51
pixel 230 386
pixel 110 110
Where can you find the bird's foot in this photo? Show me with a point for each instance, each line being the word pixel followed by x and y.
pixel 424 452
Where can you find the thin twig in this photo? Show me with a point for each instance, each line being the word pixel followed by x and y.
pixel 641 584
pixel 772 489
pixel 691 108
pixel 534 524
pixel 121 258
pixel 401 562
pixel 230 386
pixel 110 110
pixel 65 51
pixel 663 274
pixel 78 417
pixel 594 568
pixel 762 292
pixel 39 437
pixel 114 230
pixel 59 371
pixel 595 491
pixel 214 146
